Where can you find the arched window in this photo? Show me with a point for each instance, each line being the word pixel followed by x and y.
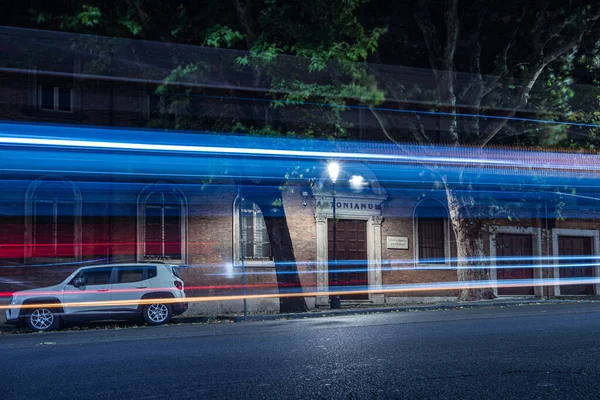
pixel 253 243
pixel 53 219
pixel 431 233
pixel 162 224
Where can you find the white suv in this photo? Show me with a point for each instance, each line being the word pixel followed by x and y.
pixel 154 291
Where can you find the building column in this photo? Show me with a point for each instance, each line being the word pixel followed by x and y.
pixel 374 258
pixel 322 257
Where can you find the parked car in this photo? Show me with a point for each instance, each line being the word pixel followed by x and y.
pixel 118 291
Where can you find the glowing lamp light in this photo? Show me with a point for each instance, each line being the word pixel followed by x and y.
pixel 334 170
pixel 357 181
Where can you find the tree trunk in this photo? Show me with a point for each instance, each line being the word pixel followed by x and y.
pixel 469 231
pixel 288 280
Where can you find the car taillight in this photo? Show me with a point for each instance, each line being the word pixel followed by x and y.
pixel 178 285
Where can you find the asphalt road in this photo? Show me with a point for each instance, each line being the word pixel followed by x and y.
pixel 530 352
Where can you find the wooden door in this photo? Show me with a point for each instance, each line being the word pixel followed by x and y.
pixel 570 250
pixel 351 258
pixel 519 250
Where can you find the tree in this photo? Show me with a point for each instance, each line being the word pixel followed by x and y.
pixel 485 60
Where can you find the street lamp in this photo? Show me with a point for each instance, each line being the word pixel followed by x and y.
pixel 334 171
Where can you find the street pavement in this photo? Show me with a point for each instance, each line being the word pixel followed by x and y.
pixel 527 352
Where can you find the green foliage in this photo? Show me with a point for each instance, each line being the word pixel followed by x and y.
pixel 263 53
pixel 181 75
pixel 243 61
pixel 222 36
pixel 88 17
pixel 261 131
pixel 133 27
pixel 42 18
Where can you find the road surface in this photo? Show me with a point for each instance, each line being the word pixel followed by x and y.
pixel 529 352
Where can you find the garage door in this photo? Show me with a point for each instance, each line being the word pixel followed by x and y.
pixel 519 247
pixel 573 246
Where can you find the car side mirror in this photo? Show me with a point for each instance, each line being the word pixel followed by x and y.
pixel 79 282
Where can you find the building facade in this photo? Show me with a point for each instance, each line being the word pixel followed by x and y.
pixel 395 242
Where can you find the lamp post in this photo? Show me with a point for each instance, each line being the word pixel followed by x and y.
pixel 241 252
pixel 334 301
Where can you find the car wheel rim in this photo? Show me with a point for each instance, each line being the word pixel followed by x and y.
pixel 41 318
pixel 158 312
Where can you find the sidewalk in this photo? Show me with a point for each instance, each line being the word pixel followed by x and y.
pixel 325 312
pixel 371 309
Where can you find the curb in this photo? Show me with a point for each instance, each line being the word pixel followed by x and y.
pixel 353 311
pixel 377 310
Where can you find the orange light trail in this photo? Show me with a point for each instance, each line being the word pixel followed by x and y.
pixel 200 299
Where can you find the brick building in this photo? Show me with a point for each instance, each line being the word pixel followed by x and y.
pixel 63 208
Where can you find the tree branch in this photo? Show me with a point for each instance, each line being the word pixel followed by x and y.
pixel 536 30
pixel 434 48
pixel 452 31
pixel 442 62
pixel 475 84
pixel 142 15
pixel 523 96
pixel 555 31
pixel 384 126
pixel 501 69
pixel 473 94
pixel 417 129
pixel 424 140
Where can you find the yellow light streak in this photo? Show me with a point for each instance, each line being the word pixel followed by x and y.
pixel 201 299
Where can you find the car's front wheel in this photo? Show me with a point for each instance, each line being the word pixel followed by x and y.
pixel 42 319
pixel 157 314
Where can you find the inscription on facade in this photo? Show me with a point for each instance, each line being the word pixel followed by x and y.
pixel 349 205
pixel 397 242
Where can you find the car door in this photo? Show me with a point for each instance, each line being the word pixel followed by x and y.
pixel 96 288
pixel 131 283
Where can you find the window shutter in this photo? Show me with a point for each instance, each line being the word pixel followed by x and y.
pixel 255 238
pixel 43 228
pixel 64 99
pixel 153 232
pixel 47 97
pixel 163 227
pixel 65 229
pixel 431 240
pixel 172 229
pixel 248 234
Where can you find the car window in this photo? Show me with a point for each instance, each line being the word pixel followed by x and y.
pixel 175 272
pixel 95 276
pixel 130 274
pixel 151 271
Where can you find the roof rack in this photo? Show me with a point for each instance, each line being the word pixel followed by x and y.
pixel 150 262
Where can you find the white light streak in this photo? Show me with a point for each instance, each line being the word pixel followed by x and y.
pixel 92 144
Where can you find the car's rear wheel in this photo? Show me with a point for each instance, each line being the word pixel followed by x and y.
pixel 157 314
pixel 42 319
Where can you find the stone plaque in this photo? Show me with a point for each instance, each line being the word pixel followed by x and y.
pixel 397 242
